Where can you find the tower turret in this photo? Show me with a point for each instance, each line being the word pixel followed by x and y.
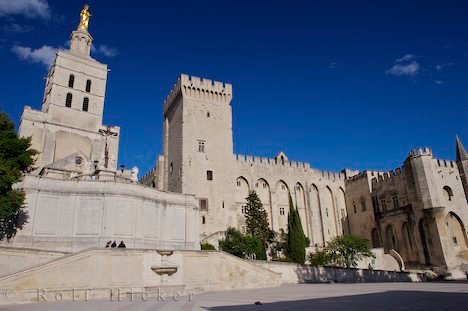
pixel 80 39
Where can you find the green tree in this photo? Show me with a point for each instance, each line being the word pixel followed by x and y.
pixel 297 241
pixel 256 219
pixel 319 258
pixel 241 245
pixel 343 251
pixel 15 157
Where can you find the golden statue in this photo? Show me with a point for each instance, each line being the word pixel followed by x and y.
pixel 84 18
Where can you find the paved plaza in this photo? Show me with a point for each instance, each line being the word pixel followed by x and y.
pixel 381 296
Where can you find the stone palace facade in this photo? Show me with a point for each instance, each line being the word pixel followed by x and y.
pixel 419 210
pixel 77 198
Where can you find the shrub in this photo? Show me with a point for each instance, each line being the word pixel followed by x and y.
pixel 207 247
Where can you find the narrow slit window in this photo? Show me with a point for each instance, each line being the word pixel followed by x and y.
pixel 85 104
pixel 88 86
pixel 71 81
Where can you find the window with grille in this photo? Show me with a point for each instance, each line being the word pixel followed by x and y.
pixel 201 146
pixel 281 210
pixel 85 104
pixel 68 100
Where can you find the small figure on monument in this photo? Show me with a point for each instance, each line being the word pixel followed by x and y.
pixel 84 18
pixel 108 244
pixel 122 245
pixel 114 245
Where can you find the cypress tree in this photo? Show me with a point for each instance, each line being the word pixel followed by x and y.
pixel 297 241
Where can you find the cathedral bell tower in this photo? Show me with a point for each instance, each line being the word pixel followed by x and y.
pixel 69 128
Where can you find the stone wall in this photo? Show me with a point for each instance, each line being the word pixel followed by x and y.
pixel 71 215
pixel 104 273
pixel 14 259
pixel 295 273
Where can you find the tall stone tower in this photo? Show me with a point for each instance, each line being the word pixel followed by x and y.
pixel 198 148
pixel 462 163
pixel 68 131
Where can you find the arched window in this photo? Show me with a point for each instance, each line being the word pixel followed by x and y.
pixel 68 101
pixel 71 81
pixel 85 104
pixel 88 86
pixel 203 220
pixel 448 193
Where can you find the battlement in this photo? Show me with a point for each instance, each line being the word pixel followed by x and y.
pixel 388 176
pixel 420 152
pixel 445 164
pixel 148 177
pixel 364 175
pixel 271 161
pixel 276 162
pixel 199 89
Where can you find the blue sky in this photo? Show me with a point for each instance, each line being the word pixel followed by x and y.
pixel 338 84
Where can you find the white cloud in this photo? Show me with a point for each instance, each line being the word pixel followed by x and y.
pixel 443 66
pixel 439 82
pixel 44 55
pixel 332 66
pixel 405 66
pixel 107 51
pixel 27 8
pixel 406 58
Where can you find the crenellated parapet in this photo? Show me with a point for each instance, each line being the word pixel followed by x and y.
pixel 388 176
pixel 365 175
pixel 147 179
pixel 445 164
pixel 294 165
pixel 270 161
pixel 420 152
pixel 201 89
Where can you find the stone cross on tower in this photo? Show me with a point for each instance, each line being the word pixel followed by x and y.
pixel 107 132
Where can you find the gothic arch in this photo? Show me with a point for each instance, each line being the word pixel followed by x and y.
pixel 262 187
pixel 457 230
pixel 282 205
pixel 448 193
pixel 341 210
pixel 329 214
pixel 300 201
pixel 316 216
pixel 242 190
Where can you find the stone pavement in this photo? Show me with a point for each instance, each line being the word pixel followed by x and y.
pixel 370 296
